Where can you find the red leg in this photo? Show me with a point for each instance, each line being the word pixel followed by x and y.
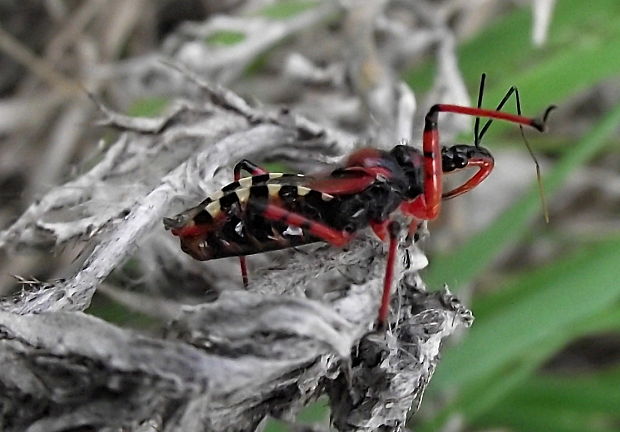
pixel 253 169
pixel 384 308
pixel 317 229
pixel 340 238
pixel 536 123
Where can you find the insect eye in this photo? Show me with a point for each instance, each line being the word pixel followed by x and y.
pixel 461 161
pixel 448 165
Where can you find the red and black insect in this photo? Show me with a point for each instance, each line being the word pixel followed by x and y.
pixel 270 211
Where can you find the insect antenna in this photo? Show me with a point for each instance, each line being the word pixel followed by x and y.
pixel 541 188
pixel 477 124
pixel 486 126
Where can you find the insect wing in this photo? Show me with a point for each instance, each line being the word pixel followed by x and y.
pixel 345 183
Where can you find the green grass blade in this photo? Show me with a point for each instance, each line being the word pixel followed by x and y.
pixel 561 404
pixel 598 393
pixel 530 418
pixel 560 298
pixel 480 396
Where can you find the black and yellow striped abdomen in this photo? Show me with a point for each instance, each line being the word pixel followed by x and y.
pixel 229 222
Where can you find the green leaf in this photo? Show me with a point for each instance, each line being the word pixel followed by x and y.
pixel 287 8
pixel 111 311
pixel 225 38
pixel 277 167
pixel 314 413
pixel 148 107
pixel 274 425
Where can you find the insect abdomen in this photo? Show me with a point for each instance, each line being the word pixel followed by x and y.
pixel 230 223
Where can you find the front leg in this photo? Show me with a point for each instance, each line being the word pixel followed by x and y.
pixel 427 205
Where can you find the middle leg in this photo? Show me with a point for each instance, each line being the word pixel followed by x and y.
pixel 253 169
pixel 393 229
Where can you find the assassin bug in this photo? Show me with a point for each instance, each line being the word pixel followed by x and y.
pixel 271 211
